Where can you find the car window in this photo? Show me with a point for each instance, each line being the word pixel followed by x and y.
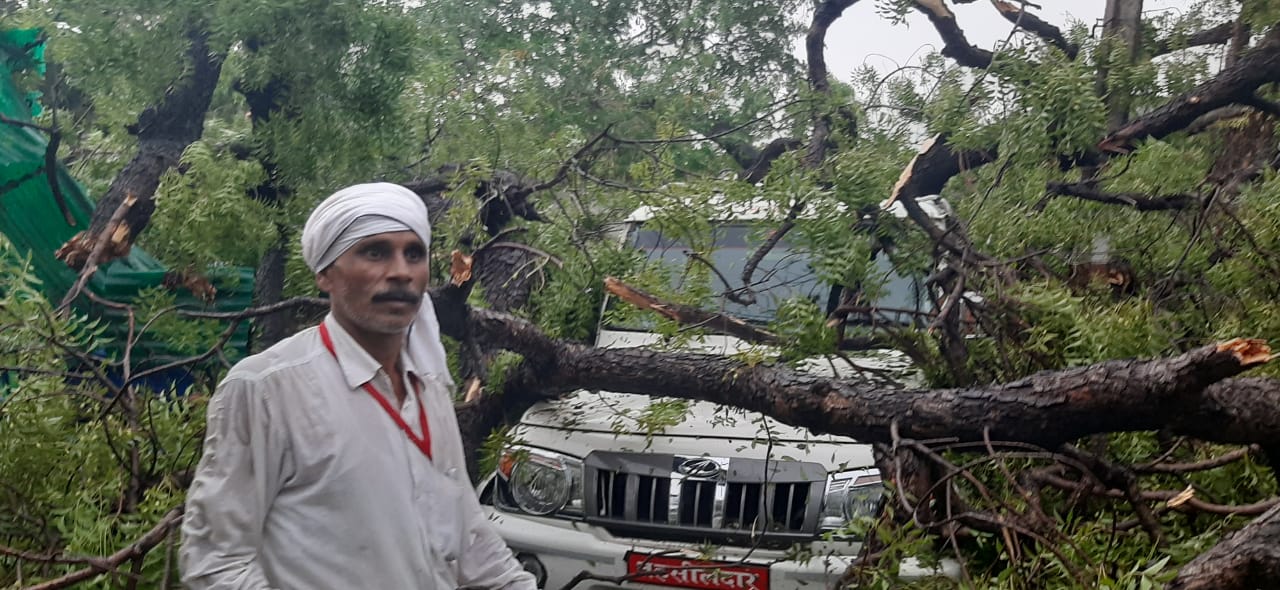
pixel 783 274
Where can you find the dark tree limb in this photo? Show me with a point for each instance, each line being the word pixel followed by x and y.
pixel 163 132
pixel 1237 411
pixel 955 45
pixel 1047 409
pixel 753 262
pixel 133 552
pixel 1138 201
pixel 927 173
pixel 1026 21
pixel 1215 35
pixel 742 152
pixel 507 269
pixel 819 82
pixel 1235 84
pixel 759 167
pixel 51 177
pixel 266 102
pixel 1208 120
pixel 1262 105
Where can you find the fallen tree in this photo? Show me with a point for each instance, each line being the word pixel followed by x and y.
pixel 930 442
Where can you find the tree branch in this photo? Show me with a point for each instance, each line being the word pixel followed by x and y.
pixel 1034 24
pixel 815 54
pixel 688 315
pixel 955 45
pixel 163 130
pixel 1140 202
pixel 134 551
pixel 1215 35
pixel 1235 84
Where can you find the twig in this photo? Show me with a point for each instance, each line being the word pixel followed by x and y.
pixel 54 558
pixel 687 314
pixel 191 360
pixel 740 295
pixel 572 162
pixel 775 237
pixel 17 123
pixel 777 105
pixel 1232 457
pixel 315 302
pixel 497 241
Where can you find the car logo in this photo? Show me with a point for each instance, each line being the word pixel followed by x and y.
pixel 700 467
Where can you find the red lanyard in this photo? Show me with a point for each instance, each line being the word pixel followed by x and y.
pixel 422 442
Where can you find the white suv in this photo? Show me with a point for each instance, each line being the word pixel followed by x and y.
pixel 717 497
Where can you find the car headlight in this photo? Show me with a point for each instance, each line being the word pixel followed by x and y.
pixel 851 496
pixel 540 482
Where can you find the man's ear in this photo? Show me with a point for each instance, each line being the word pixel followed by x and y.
pixel 323 282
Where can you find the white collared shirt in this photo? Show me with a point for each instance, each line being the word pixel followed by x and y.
pixel 307 484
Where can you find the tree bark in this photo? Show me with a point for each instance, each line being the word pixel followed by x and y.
pixel 1248 560
pixel 1215 35
pixel 164 131
pixel 1018 15
pixel 955 45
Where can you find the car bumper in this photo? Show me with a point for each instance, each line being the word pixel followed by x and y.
pixel 565 548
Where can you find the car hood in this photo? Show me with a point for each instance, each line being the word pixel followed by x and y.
pixel 593 420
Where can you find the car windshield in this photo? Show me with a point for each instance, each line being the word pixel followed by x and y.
pixel 783 274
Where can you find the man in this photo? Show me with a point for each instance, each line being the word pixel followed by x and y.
pixel 333 459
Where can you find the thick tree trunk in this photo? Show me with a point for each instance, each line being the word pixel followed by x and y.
pixel 264 104
pixel 1122 26
pixel 268 287
pixel 1047 409
pixel 163 132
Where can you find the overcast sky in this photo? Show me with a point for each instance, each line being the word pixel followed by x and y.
pixel 861 36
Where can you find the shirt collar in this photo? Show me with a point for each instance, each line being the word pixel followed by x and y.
pixel 358 366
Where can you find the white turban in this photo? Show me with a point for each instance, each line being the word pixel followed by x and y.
pixel 380 207
pixel 363 210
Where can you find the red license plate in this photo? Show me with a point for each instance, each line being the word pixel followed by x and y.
pixel 695 573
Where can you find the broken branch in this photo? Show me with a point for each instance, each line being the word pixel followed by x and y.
pixel 689 315
pixel 1034 24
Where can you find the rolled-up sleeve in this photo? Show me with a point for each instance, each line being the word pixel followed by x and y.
pixel 236 481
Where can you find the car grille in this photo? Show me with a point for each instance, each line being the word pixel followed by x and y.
pixel 740 501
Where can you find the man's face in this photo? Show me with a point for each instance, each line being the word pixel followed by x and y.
pixel 376 286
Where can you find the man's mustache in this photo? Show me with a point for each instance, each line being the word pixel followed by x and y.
pixel 397 295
